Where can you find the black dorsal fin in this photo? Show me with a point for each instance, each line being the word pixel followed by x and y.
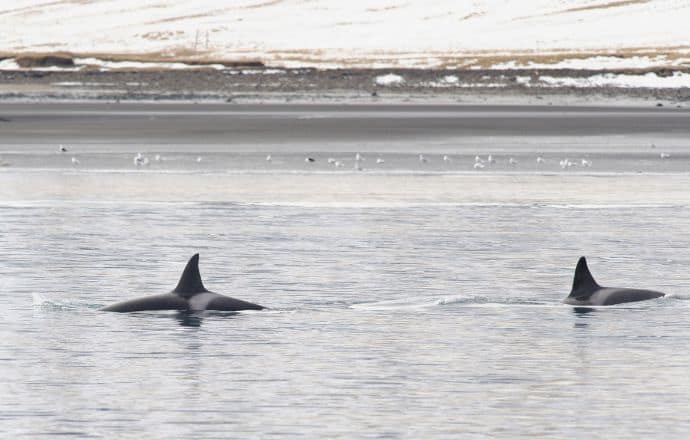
pixel 583 282
pixel 190 282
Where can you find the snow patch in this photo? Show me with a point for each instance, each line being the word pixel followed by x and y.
pixel 598 62
pixel 257 72
pixel 446 81
pixel 339 34
pixel 649 80
pixel 9 64
pixel 522 80
pixel 137 65
pixel 450 79
pixel 102 65
pixel 390 79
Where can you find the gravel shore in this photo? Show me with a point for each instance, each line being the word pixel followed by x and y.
pixel 255 85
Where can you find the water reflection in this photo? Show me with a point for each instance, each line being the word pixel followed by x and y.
pixel 189 319
pixel 195 319
pixel 582 313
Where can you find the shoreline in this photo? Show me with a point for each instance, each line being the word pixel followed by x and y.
pixel 349 86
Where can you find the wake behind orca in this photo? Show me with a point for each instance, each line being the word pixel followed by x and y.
pixel 586 291
pixel 189 295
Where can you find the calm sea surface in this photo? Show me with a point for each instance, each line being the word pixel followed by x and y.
pixel 410 299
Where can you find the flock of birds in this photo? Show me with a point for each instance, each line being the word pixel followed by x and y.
pixel 141 160
pixel 479 162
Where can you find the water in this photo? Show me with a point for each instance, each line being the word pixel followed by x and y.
pixel 403 303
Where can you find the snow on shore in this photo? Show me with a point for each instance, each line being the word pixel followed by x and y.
pixel 389 79
pixel 103 65
pixel 333 33
pixel 600 62
pixel 649 80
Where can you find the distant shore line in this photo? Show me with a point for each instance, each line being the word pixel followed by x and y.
pixel 64 76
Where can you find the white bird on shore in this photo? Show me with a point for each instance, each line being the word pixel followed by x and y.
pixel 422 159
pixel 62 149
pixel 586 163
pixel 199 159
pixel 157 158
pixel 664 155
pixel 269 158
pixel 75 161
pixel 512 162
pixel 491 159
pixel 380 160
pixel 358 157
pixel 566 163
pixel 478 159
pixel 540 159
pixel 446 158
pixel 479 166
pixel 331 160
pixel 338 164
pixel 140 160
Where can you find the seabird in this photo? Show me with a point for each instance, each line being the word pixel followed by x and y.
pixel 566 163
pixel 139 160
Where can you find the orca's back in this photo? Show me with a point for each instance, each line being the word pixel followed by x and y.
pixel 167 301
pixel 618 296
pixel 227 304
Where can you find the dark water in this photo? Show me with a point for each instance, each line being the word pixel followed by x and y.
pixel 402 303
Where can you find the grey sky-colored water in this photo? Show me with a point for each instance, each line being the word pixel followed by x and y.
pixel 409 300
pixel 251 127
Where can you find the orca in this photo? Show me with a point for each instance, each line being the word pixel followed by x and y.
pixel 189 295
pixel 586 291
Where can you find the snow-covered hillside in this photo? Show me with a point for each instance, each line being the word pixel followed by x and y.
pixel 336 33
